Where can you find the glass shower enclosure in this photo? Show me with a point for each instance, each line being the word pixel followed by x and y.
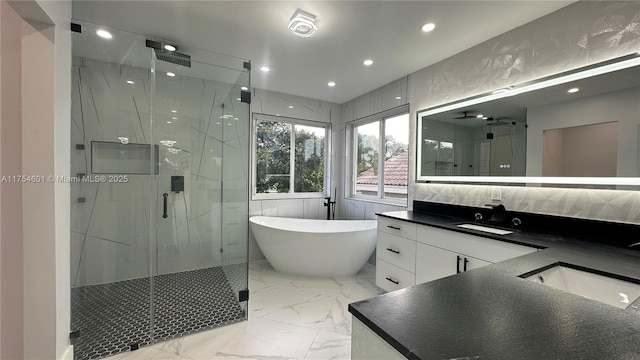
pixel 159 190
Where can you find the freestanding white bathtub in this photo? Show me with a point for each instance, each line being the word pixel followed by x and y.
pixel 320 248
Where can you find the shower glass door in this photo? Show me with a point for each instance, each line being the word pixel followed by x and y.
pixel 200 127
pixel 112 178
pixel 159 191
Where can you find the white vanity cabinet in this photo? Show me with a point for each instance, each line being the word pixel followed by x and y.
pixel 434 263
pixel 441 252
pixel 408 254
pixel 395 254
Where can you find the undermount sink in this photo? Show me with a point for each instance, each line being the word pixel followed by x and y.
pixel 608 290
pixel 485 229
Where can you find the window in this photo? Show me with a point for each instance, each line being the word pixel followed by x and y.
pixel 378 177
pixel 290 157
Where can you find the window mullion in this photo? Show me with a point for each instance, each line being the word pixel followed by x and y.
pixel 381 154
pixel 292 158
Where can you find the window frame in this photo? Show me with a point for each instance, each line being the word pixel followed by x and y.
pixel 256 117
pixel 351 163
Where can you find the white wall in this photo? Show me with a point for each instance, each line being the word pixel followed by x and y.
pixel 41 210
pixel 11 249
pixel 619 106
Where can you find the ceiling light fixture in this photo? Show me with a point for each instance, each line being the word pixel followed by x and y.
pixel 290 106
pixel 428 27
pixel 368 62
pixel 170 47
pixel 303 24
pixel 104 34
pixel 573 90
pixel 130 82
pixel 331 83
pixel 174 111
pixel 265 69
pixel 244 88
pixel 398 97
pixel 170 74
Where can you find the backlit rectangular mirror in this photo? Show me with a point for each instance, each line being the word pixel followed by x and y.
pixel 578 129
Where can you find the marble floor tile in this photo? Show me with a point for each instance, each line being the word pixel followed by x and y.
pixel 330 346
pixel 290 317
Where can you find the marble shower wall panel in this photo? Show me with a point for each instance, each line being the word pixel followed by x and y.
pixel 109 107
pixel 106 107
pixel 107 261
pixel 194 100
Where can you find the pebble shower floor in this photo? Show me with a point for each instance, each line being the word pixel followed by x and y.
pixel 111 317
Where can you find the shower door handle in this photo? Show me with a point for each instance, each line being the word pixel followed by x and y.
pixel 164 208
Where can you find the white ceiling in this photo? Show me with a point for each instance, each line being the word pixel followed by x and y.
pixel 388 32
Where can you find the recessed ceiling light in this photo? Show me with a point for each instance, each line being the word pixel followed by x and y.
pixel 303 24
pixel 479 116
pixel 169 122
pixel 170 74
pixel 244 88
pixel 428 27
pixel 174 111
pixel 130 82
pixel 238 99
pixel 368 62
pixel 169 47
pixel 174 118
pixel 265 69
pixel 104 34
pixel 398 97
pixel 290 106
pixel 573 90
pixel 331 83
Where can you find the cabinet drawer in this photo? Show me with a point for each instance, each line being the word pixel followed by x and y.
pixel 397 227
pixel 482 248
pixel 397 251
pixel 390 277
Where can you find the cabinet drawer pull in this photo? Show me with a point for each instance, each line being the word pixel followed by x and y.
pixel 393 281
pixel 466 261
pixel 393 227
pixel 458 264
pixel 393 251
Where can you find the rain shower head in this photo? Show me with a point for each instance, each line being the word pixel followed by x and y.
pixel 173 57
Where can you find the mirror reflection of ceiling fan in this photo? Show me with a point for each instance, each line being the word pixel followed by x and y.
pixel 465 115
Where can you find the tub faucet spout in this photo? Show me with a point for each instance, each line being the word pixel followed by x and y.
pixel 329 204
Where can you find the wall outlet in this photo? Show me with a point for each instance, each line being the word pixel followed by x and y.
pixel 496 193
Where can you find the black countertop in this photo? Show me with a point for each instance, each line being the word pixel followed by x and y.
pixel 492 313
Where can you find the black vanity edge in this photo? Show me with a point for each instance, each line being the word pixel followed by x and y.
pixel 605 232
